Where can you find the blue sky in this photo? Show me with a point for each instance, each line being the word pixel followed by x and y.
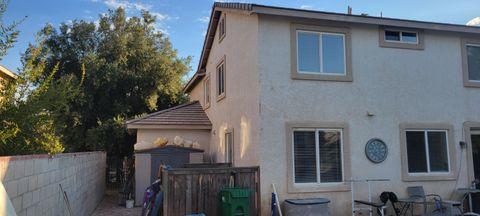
pixel 185 21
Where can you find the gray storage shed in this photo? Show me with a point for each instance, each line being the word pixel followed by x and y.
pixel 147 163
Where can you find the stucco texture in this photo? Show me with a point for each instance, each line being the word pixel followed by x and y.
pixel 396 85
pixel 238 111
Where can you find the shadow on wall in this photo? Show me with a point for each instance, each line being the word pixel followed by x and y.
pixel 217 153
pixel 6 207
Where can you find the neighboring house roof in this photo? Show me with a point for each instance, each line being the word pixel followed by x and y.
pixel 218 7
pixel 4 72
pixel 186 116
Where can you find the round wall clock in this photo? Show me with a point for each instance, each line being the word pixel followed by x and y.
pixel 376 150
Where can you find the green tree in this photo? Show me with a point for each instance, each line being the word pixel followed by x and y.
pixel 8 33
pixel 31 107
pixel 130 69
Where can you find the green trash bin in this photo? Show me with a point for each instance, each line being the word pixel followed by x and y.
pixel 234 202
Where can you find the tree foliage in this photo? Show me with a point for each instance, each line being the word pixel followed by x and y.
pixel 8 33
pixel 125 68
pixel 32 106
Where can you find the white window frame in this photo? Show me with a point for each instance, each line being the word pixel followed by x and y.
pixel 425 134
pixel 318 156
pixel 401 36
pixel 320 46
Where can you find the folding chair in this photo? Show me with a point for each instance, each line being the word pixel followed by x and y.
pixel 417 193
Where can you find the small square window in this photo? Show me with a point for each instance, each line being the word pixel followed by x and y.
pixel 406 39
pixel 392 35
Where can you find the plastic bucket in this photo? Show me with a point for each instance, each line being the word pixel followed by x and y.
pixel 129 204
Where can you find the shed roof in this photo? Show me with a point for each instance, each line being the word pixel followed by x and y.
pixel 186 116
pixel 247 8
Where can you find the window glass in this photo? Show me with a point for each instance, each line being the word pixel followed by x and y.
pixel 409 37
pixel 305 157
pixel 330 153
pixel 392 35
pixel 221 79
pixel 437 151
pixel 308 52
pixel 206 92
pixel 416 152
pixel 473 60
pixel 427 151
pixel 333 56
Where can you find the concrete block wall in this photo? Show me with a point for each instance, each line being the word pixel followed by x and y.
pixel 32 182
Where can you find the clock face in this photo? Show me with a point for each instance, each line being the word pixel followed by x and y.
pixel 376 150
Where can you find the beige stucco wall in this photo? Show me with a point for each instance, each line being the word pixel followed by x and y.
pixel 239 110
pixel 397 85
pixel 150 135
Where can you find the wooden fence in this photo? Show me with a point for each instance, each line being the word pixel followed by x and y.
pixel 195 190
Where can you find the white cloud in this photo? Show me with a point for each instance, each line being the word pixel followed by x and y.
pixel 204 19
pixel 125 4
pixel 160 17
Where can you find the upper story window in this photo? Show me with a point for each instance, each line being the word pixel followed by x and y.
pixel 221 28
pixel 206 92
pixel 221 80
pixel 471 62
pixel 427 152
pixel 321 53
pixel 401 38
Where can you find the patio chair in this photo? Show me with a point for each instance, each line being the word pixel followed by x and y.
pixel 441 207
pixel 381 207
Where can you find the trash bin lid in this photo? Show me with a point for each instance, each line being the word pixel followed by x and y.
pixel 308 201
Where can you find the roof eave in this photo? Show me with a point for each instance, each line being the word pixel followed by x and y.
pixel 169 126
pixel 7 72
pixel 360 19
pixel 309 14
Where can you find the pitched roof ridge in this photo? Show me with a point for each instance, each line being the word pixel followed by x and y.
pixel 162 111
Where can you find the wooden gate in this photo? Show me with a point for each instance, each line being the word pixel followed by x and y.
pixel 195 190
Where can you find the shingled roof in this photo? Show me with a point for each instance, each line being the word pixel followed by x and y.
pixel 185 116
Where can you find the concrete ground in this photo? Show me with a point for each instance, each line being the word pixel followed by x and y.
pixel 109 206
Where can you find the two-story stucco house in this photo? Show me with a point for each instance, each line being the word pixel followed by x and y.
pixel 300 93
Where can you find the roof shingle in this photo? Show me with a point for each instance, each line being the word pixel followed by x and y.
pixel 188 114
